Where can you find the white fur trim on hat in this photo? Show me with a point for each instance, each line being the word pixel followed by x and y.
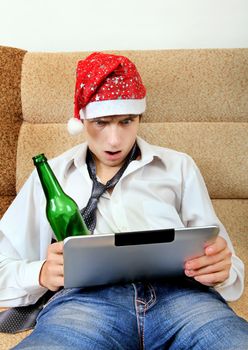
pixel 113 107
pixel 75 126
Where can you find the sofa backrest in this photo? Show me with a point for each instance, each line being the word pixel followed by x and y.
pixel 10 119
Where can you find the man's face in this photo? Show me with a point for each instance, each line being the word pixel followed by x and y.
pixel 111 138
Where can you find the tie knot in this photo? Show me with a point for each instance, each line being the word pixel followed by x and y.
pixel 98 189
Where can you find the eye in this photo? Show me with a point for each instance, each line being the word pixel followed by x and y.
pixel 127 121
pixel 100 123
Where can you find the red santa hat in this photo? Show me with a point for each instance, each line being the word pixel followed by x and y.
pixel 106 84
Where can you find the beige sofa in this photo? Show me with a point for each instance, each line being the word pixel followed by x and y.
pixel 197 103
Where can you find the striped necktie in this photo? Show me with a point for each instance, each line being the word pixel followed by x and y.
pixel 89 212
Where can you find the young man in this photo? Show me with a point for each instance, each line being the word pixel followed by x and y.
pixel 143 187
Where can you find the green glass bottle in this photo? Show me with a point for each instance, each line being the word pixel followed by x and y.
pixel 61 210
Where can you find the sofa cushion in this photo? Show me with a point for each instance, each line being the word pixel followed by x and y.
pixel 233 213
pixel 10 117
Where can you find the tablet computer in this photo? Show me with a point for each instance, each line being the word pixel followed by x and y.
pixel 130 256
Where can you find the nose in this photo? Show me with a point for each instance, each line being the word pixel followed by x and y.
pixel 114 136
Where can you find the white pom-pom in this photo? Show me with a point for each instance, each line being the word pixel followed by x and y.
pixel 75 126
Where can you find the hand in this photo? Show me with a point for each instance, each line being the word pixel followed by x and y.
pixel 214 266
pixel 52 271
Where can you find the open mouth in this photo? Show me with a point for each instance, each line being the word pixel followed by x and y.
pixel 113 156
pixel 112 153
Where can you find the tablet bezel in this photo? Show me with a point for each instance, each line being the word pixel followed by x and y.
pixel 95 259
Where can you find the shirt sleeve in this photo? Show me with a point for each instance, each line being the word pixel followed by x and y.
pixel 23 247
pixel 197 210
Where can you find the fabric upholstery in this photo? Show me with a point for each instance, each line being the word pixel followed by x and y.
pixel 233 213
pixel 197 103
pixel 10 119
pixel 5 201
pixel 183 85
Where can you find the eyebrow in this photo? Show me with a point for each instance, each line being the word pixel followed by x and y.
pixel 110 118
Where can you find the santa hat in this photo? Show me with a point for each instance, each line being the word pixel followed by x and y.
pixel 106 84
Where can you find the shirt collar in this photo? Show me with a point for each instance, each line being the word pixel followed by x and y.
pixel 148 151
pixel 78 156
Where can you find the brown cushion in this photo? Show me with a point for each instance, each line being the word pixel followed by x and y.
pixel 4 203
pixel 10 115
pixel 233 213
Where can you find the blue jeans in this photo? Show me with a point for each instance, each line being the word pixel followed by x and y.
pixel 157 315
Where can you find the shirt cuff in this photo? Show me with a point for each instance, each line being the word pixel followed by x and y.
pixel 231 279
pixel 232 288
pixel 30 277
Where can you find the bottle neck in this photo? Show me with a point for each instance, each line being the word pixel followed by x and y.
pixel 50 184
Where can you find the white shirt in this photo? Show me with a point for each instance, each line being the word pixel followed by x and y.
pixel 163 189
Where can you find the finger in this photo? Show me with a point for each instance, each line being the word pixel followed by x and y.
pixel 56 259
pixel 204 260
pixel 212 279
pixel 49 274
pixel 52 270
pixel 216 247
pixel 54 253
pixel 56 247
pixel 56 284
pixel 58 270
pixel 224 265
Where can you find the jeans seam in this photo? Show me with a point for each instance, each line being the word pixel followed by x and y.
pixel 137 314
pixel 141 328
pixel 143 331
